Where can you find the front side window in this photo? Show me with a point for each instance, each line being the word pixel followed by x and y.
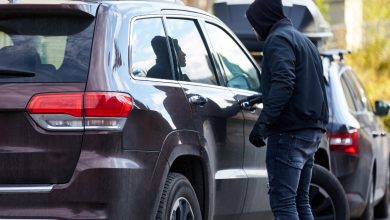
pixel 191 54
pixel 150 55
pixel 45 48
pixel 238 69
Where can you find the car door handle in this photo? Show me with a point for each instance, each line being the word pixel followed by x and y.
pixel 198 100
pixel 247 106
pixel 383 134
pixel 250 102
pixel 375 134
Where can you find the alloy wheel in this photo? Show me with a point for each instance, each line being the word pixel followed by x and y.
pixel 182 210
pixel 321 203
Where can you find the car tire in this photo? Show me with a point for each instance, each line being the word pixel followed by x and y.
pixel 327 196
pixel 368 213
pixel 178 200
pixel 381 210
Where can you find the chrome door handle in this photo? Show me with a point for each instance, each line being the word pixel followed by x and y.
pixel 247 106
pixel 383 134
pixel 198 100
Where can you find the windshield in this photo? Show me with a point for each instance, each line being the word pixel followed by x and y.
pixel 45 49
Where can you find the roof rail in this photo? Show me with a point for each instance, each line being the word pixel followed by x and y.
pixel 335 54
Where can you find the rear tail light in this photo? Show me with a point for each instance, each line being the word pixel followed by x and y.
pixel 79 110
pixel 347 142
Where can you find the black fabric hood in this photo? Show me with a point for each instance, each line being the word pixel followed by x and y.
pixel 263 14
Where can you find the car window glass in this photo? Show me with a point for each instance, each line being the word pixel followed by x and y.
pixel 5 40
pixel 53 48
pixel 356 92
pixel 192 56
pixel 347 94
pixel 238 69
pixel 359 87
pixel 150 54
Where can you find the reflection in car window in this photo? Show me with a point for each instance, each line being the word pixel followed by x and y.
pixel 238 69
pixel 347 93
pixel 192 56
pixel 150 56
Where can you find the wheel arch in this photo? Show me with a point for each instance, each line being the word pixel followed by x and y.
pixel 185 154
pixel 321 158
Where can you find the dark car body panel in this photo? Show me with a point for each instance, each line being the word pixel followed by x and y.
pixel 29 154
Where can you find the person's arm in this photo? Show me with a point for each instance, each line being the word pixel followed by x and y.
pixel 281 58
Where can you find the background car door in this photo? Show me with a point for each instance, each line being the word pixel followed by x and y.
pixel 242 77
pixel 367 119
pixel 216 114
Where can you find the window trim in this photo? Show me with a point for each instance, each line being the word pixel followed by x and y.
pixel 239 44
pixel 130 49
pixel 201 31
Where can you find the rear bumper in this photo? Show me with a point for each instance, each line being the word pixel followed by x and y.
pixel 113 187
pixel 356 204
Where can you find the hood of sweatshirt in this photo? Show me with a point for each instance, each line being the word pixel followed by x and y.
pixel 263 14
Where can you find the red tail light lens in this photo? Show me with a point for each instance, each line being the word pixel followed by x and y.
pixel 78 111
pixel 52 103
pixel 347 142
pixel 108 104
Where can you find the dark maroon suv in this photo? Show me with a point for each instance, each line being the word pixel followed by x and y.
pixel 126 110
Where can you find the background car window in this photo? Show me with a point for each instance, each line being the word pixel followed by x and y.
pixel 356 92
pixel 238 69
pixel 191 53
pixel 347 93
pixel 358 87
pixel 45 48
pixel 150 54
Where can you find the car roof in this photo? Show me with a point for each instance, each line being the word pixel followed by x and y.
pixel 151 5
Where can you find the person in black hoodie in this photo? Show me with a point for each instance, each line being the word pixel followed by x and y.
pixel 295 110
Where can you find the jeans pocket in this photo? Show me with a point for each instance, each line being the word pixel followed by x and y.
pixel 286 152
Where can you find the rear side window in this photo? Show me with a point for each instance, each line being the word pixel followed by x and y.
pixel 150 55
pixel 45 48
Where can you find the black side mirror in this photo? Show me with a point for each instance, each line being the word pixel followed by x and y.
pixel 381 108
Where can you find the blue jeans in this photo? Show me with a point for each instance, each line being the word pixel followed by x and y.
pixel 290 160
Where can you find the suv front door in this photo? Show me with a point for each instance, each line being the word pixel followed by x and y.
pixel 241 76
pixel 215 112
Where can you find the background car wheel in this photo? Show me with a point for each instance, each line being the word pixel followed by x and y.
pixel 381 210
pixel 327 196
pixel 368 213
pixel 178 201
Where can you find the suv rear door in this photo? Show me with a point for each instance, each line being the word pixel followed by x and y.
pixel 49 54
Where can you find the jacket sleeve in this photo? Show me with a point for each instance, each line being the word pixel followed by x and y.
pixel 281 61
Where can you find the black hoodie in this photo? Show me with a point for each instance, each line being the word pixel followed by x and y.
pixel 292 81
pixel 263 14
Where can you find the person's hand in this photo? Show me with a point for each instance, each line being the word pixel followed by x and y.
pixel 256 140
pixel 256 136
